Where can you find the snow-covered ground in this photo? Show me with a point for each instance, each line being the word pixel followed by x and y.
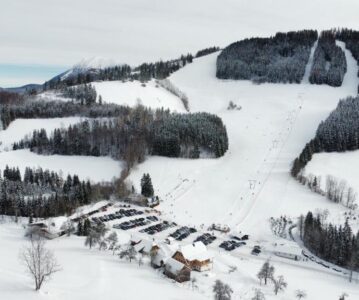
pixel 97 169
pixel 20 128
pixel 129 93
pixel 243 189
pixel 85 274
pixel 340 165
pixel 274 124
pixel 93 274
pixel 132 93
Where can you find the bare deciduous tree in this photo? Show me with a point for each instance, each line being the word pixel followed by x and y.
pixel 39 261
pixel 279 284
pixel 266 272
pixel 351 198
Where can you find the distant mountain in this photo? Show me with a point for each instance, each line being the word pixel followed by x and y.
pixel 24 88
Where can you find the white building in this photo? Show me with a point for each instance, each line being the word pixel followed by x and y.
pixel 288 251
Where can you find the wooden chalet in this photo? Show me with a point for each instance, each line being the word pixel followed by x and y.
pixel 195 256
pixel 177 270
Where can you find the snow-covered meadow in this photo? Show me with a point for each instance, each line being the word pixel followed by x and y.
pixel 21 128
pixel 96 169
pixel 340 165
pixel 132 93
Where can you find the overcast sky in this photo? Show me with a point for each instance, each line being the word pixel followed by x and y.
pixel 52 35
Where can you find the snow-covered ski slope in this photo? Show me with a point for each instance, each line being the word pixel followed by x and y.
pixel 251 182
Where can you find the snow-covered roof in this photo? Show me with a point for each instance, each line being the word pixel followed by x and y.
pixel 144 245
pixel 195 251
pixel 174 266
pixel 288 249
pixel 164 253
pixel 53 225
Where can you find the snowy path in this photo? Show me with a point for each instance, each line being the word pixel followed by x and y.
pixel 309 65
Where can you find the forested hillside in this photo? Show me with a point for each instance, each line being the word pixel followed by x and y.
pixel 339 132
pixel 58 109
pixel 336 244
pixel 281 58
pixel 41 193
pixel 329 64
pixel 135 133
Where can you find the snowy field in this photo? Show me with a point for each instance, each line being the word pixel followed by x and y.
pixel 85 275
pixel 96 169
pixel 20 128
pixel 340 165
pixel 133 93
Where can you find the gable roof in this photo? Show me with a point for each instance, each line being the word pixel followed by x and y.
pixel 144 245
pixel 195 251
pixel 174 266
pixel 164 252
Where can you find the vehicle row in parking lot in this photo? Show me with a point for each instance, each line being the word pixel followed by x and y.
pixel 182 233
pixel 153 229
pixel 205 238
pixel 121 213
pixel 132 223
pixel 231 244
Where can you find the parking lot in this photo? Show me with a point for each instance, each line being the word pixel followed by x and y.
pixel 142 221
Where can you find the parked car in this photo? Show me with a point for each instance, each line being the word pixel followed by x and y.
pixel 245 237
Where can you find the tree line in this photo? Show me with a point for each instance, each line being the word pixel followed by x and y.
pixel 282 58
pixel 134 135
pixel 329 62
pixel 338 133
pixel 83 94
pixel 144 72
pixel 58 109
pixel 335 244
pixel 41 193
pixel 207 51
pixel 334 190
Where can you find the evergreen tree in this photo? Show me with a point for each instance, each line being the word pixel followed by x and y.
pixel 146 186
